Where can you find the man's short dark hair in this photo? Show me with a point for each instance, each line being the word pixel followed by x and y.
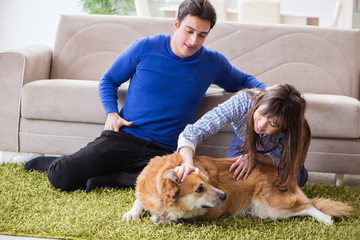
pixel 198 8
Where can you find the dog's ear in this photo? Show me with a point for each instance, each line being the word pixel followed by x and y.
pixel 169 189
pixel 171 174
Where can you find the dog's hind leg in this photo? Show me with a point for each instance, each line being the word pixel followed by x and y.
pixel 135 212
pixel 306 209
pixel 277 204
pixel 317 214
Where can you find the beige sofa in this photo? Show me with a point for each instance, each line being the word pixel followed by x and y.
pixel 49 99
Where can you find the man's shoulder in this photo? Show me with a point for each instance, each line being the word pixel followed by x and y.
pixel 150 43
pixel 152 39
pixel 211 53
pixel 157 38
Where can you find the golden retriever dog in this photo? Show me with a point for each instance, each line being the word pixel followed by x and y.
pixel 213 192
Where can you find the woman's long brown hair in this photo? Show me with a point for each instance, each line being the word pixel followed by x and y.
pixel 287 106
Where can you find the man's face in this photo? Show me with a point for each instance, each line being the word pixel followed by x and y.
pixel 189 35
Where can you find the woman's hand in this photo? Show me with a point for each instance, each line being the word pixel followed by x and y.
pixel 114 122
pixel 187 166
pixel 242 166
pixel 183 170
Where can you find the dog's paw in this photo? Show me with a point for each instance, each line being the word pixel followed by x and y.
pixel 131 215
pixel 135 212
pixel 159 219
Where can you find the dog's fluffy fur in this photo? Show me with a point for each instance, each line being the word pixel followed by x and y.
pixel 213 192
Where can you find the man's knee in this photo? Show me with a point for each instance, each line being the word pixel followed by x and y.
pixel 64 183
pixel 60 177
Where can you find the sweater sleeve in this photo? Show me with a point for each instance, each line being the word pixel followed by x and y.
pixel 232 79
pixel 121 70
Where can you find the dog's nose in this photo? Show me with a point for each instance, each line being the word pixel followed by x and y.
pixel 223 197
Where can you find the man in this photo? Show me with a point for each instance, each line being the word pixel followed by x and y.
pixel 169 77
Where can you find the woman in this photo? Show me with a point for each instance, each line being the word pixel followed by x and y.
pixel 271 125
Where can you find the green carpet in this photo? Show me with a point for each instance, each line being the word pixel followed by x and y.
pixel 30 206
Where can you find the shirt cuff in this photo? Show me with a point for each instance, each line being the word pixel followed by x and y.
pixel 184 142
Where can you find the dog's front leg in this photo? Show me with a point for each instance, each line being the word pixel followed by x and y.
pixel 212 213
pixel 162 220
pixel 135 212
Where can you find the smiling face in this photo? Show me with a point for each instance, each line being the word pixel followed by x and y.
pixel 189 35
pixel 262 124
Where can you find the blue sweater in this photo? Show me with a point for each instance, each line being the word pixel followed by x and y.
pixel 165 90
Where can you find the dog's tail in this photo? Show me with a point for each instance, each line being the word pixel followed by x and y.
pixel 332 208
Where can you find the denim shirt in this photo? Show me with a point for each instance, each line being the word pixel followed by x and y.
pixel 234 111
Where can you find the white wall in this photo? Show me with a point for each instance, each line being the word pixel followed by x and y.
pixel 32 21
pixel 35 21
pixel 323 7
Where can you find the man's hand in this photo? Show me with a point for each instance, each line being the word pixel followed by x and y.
pixel 242 166
pixel 114 122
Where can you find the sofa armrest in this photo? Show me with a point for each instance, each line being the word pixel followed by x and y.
pixel 18 67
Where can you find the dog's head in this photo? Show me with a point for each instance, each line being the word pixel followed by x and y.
pixel 190 198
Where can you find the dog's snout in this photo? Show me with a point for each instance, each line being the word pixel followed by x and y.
pixel 223 197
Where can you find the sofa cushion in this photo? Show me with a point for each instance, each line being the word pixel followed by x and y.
pixel 329 116
pixel 333 116
pixel 78 101
pixel 64 100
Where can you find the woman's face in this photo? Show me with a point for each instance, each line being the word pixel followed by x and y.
pixel 263 125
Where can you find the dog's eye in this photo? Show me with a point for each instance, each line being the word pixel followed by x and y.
pixel 200 189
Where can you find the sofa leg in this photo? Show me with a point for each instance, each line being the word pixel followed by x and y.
pixel 339 179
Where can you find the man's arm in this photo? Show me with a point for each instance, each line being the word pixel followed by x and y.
pixel 120 71
pixel 232 79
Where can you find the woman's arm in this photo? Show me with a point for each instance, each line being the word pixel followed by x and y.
pixel 188 164
pixel 234 109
